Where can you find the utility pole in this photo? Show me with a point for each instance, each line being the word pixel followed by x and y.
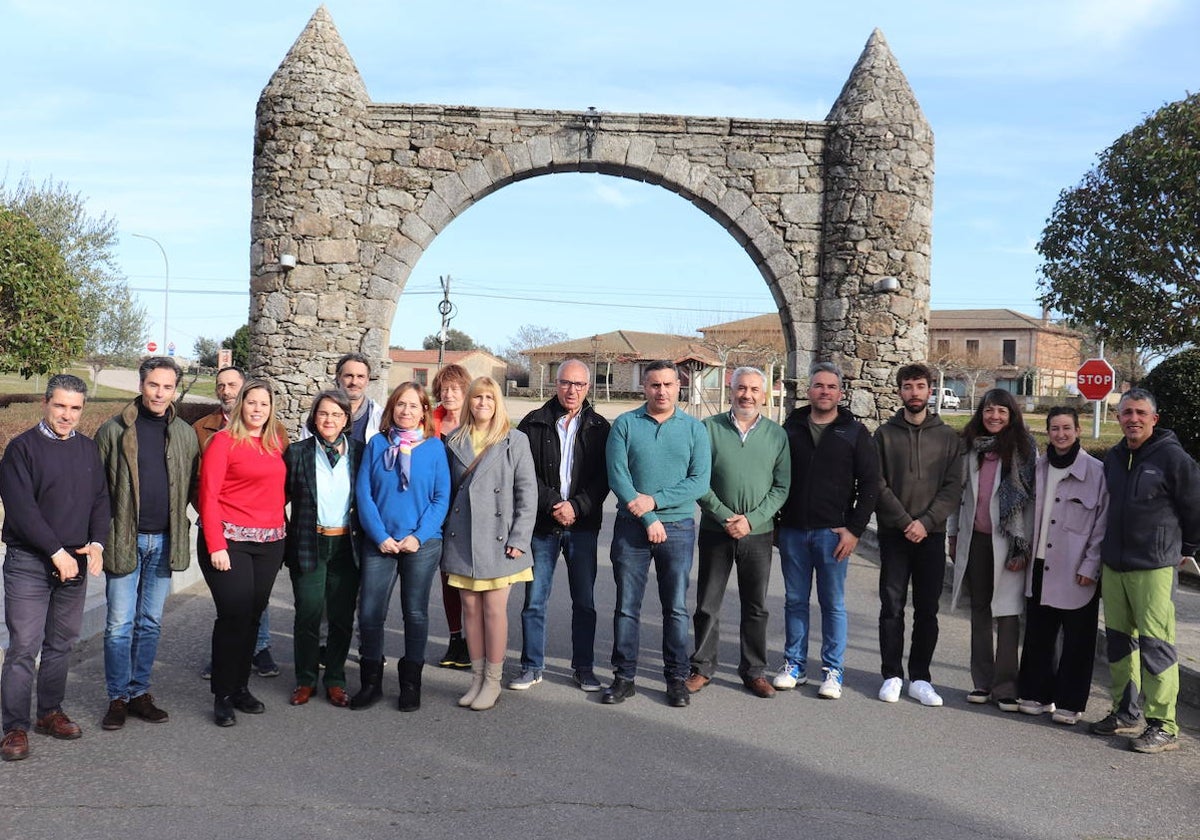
pixel 447 311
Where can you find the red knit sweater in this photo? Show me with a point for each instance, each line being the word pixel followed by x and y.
pixel 242 485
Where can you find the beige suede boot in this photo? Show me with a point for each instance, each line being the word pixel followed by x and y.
pixel 490 692
pixel 476 683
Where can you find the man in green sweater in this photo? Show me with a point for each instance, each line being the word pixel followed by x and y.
pixel 751 474
pixel 658 466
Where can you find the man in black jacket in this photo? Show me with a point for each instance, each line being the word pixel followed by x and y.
pixel 835 483
pixel 567 438
pixel 1153 526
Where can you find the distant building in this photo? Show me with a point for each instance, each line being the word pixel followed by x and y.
pixel 618 357
pixel 1000 348
pixel 422 365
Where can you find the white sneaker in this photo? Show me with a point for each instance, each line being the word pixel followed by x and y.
pixel 1066 717
pixel 1033 707
pixel 922 691
pixel 789 676
pixel 889 692
pixel 831 686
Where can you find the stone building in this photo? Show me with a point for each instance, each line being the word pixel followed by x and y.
pixel 349 193
pixel 617 358
pixel 422 365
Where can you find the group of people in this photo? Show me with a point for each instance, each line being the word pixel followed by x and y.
pixel 405 490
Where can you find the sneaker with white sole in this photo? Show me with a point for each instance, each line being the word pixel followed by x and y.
pixel 923 692
pixel 1066 717
pixel 1033 707
pixel 528 679
pixel 831 686
pixel 789 676
pixel 889 692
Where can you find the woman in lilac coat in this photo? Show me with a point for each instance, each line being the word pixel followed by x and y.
pixel 1060 584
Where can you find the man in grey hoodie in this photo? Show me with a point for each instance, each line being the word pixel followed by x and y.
pixel 921 483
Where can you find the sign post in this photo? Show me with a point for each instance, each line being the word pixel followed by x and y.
pixel 1095 379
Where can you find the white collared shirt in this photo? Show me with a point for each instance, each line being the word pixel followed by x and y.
pixel 567 432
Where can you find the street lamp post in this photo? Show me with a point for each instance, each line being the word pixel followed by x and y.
pixel 166 284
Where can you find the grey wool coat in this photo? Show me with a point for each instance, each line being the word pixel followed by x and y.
pixel 492 506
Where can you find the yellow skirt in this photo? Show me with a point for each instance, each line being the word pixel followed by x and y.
pixel 486 584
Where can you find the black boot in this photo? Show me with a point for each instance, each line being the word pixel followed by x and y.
pixel 371 672
pixel 223 711
pixel 410 685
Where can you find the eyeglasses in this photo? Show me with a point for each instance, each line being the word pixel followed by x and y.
pixel 331 415
pixel 568 384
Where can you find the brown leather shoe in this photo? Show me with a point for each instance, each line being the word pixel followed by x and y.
pixel 15 745
pixel 301 694
pixel 58 725
pixel 759 687
pixel 696 681
pixel 337 696
pixel 143 707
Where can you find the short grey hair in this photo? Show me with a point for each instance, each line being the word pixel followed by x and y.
pixel 826 367
pixel 1138 394
pixel 746 370
pixel 565 362
pixel 66 382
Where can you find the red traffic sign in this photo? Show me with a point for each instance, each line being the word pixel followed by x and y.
pixel 151 346
pixel 1095 379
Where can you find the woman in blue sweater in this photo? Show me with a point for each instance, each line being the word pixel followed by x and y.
pixel 403 493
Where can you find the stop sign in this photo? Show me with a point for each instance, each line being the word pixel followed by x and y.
pixel 151 346
pixel 1096 379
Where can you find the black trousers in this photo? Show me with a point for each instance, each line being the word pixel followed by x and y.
pixel 719 553
pixel 240 595
pixel 924 565
pixel 1068 684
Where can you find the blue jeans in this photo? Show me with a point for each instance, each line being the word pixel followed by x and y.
pixel 631 554
pixel 379 572
pixel 803 552
pixel 579 551
pixel 134 624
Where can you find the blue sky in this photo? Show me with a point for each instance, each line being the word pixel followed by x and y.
pixel 147 109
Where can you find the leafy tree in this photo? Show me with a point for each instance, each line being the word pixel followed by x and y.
pixel 239 343
pixel 41 323
pixel 1173 383
pixel 1122 249
pixel 455 340
pixel 114 328
pixel 206 351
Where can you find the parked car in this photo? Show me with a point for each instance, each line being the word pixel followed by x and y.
pixel 949 399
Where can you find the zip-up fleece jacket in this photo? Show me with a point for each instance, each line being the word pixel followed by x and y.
pixel 1154 504
pixel 589 473
pixel 117 440
pixel 835 484
pixel 921 472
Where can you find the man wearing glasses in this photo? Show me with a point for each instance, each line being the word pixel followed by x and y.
pixel 567 438
pixel 56 521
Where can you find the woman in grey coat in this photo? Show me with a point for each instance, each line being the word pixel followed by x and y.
pixel 486 539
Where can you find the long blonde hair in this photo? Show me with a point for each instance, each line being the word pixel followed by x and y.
pixel 500 425
pixel 270 430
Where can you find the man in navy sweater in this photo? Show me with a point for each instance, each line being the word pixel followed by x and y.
pixel 56 521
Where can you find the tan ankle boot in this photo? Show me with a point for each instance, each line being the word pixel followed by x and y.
pixel 476 683
pixel 490 692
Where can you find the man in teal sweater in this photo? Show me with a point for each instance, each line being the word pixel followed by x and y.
pixel 658 466
pixel 751 474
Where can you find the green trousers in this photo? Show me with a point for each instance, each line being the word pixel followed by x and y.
pixel 329 590
pixel 1139 619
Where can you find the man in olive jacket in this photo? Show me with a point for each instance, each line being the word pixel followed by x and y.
pixel 150 458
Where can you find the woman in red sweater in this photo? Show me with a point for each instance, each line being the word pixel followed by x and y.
pixel 241 496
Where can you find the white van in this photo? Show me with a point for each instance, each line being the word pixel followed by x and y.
pixel 949 399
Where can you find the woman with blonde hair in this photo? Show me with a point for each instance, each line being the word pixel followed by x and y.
pixel 488 532
pixel 241 501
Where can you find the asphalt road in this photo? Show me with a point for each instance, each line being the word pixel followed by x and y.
pixel 553 762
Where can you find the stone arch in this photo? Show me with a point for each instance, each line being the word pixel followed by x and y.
pixel 357 191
